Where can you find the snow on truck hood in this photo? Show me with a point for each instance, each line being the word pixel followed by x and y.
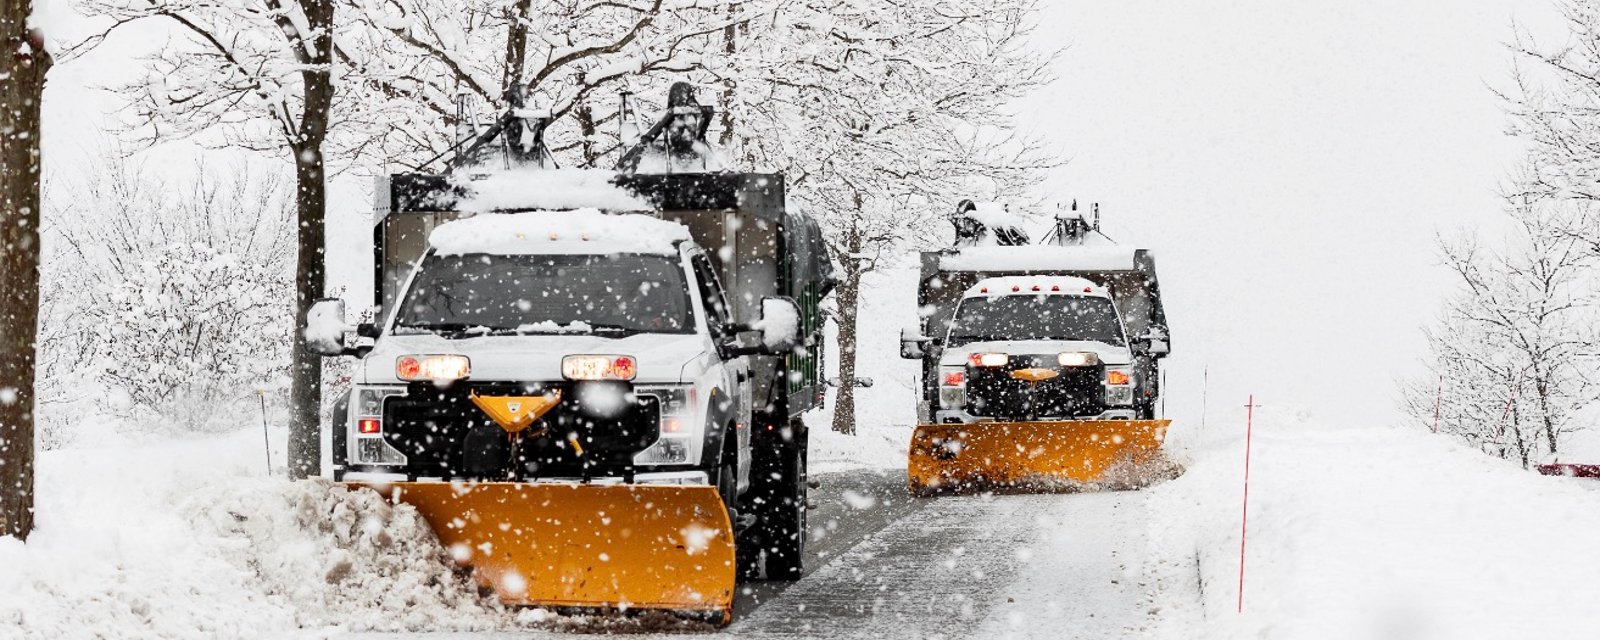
pixel 1034 285
pixel 662 357
pixel 580 231
pixel 1108 354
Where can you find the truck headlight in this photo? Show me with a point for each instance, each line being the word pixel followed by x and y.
pixel 988 359
pixel 1119 386
pixel 952 387
pixel 366 445
pixel 438 368
pixel 1078 359
pixel 681 429
pixel 607 367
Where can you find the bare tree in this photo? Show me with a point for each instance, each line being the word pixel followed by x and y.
pixel 1507 369
pixel 23 65
pixel 256 73
pixel 418 57
pixel 883 114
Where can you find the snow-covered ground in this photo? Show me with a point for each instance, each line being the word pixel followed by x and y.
pixel 190 538
pixel 1369 533
pixel 1354 532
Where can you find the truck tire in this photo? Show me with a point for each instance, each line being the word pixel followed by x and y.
pixel 782 510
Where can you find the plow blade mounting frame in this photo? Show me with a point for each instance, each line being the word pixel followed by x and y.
pixel 621 546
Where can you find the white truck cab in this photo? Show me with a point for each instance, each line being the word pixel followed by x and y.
pixel 1034 348
pixel 619 318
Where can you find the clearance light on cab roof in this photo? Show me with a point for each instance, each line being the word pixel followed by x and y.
pixel 599 367
pixel 988 359
pixel 438 368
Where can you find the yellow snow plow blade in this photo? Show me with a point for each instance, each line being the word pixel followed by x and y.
pixel 1045 454
pixel 622 546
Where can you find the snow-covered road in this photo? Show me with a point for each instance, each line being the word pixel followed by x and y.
pixel 885 565
pixel 1019 566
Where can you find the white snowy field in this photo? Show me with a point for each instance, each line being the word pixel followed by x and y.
pixel 1369 533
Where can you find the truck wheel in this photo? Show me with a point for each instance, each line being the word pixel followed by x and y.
pixel 782 513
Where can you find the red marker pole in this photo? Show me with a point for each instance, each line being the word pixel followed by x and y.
pixel 1244 515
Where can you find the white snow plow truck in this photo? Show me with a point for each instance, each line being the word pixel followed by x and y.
pixel 588 382
pixel 1040 362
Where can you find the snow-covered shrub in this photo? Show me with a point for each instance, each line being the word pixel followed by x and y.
pixel 189 328
pixel 165 301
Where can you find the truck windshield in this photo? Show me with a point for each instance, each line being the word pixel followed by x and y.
pixel 482 294
pixel 1040 317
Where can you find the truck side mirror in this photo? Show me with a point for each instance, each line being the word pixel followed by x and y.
pixel 779 325
pixel 1156 347
pixel 913 345
pixel 325 328
pixel 368 328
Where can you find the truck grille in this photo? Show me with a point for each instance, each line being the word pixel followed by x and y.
pixel 442 433
pixel 993 393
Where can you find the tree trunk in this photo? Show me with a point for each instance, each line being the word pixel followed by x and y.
pixel 516 43
pixel 730 45
pixel 23 63
pixel 848 295
pixel 305 392
pixel 587 129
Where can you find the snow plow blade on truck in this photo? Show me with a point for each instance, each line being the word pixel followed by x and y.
pixel 1040 362
pixel 621 546
pixel 1053 455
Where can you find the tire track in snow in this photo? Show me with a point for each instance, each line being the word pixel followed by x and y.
pixel 1085 572
pixel 932 574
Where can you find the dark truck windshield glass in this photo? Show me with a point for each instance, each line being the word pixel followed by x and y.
pixel 1038 317
pixel 500 294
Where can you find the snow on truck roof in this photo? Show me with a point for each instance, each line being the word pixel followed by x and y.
pixel 581 231
pixel 1059 285
pixel 1040 258
pixel 547 189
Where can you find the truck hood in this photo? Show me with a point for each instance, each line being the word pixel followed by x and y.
pixel 1108 354
pixel 662 357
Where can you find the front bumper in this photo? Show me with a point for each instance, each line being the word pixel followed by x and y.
pixel 378 475
pixel 960 416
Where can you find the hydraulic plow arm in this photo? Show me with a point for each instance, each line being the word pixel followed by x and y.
pixel 622 547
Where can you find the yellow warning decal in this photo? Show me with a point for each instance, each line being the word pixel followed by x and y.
pixel 516 413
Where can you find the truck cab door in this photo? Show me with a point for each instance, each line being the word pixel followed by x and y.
pixel 735 377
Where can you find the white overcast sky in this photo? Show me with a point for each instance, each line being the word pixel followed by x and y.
pixel 1290 162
